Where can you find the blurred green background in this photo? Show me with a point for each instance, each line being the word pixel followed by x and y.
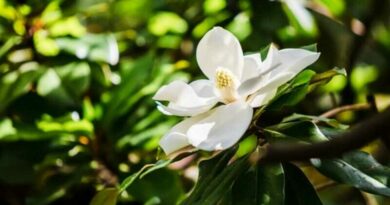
pixel 77 76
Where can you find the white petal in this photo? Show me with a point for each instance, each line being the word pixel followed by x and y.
pixel 173 109
pixel 261 99
pixel 251 85
pixel 295 60
pixel 251 66
pixel 271 61
pixel 263 84
pixel 186 100
pixel 219 49
pixel 204 88
pixel 176 138
pixel 278 68
pixel 224 126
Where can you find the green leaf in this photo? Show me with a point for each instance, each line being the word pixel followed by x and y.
pixel 261 185
pixel 130 179
pixel 310 47
pixel 264 52
pixel 18 82
pixel 164 22
pixel 163 186
pixel 106 197
pixel 299 190
pixel 247 145
pixel 134 76
pixel 328 75
pixel 302 78
pixel 64 85
pixel 367 164
pixel 6 128
pixel 149 168
pixel 331 122
pixel 44 44
pixel 341 171
pixel 11 42
pixel 208 170
pixel 65 124
pixel 300 130
pixel 94 47
pixel 222 182
pixel 292 92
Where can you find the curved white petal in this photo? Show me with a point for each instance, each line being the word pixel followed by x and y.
pixel 271 61
pixel 251 68
pixel 294 60
pixel 261 99
pixel 186 100
pixel 279 67
pixel 204 88
pixel 222 128
pixel 176 138
pixel 219 49
pixel 263 84
pixel 173 109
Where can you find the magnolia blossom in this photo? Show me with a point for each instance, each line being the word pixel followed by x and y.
pixel 238 82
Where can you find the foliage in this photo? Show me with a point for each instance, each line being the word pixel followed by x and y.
pixel 77 123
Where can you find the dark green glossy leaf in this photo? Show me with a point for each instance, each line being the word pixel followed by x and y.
pixel 217 188
pixel 300 130
pixel 261 185
pixel 343 172
pixel 299 190
pixel 367 164
pixel 299 117
pixel 163 185
pixel 208 170
pixel 292 92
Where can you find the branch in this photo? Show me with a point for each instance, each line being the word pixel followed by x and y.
pixel 335 111
pixel 360 135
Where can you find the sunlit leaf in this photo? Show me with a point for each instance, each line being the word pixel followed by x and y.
pixel 164 22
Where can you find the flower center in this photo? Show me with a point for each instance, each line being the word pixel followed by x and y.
pixel 226 83
pixel 224 78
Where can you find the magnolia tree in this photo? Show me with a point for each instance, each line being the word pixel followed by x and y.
pixel 245 161
pixel 199 102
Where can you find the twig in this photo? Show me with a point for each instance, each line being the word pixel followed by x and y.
pixel 360 135
pixel 353 107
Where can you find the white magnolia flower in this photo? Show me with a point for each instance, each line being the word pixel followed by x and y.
pixel 239 82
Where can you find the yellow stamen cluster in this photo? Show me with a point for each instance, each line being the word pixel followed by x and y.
pixel 223 78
